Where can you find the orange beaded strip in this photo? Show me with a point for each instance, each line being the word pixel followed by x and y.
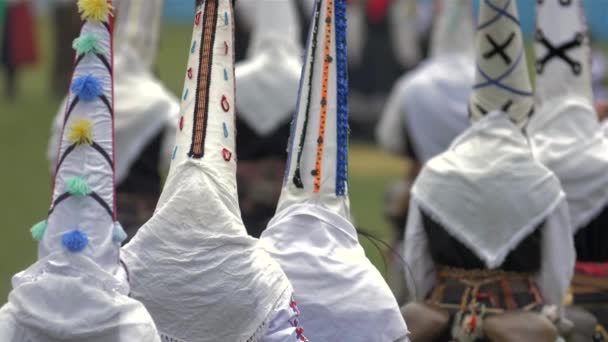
pixel 324 90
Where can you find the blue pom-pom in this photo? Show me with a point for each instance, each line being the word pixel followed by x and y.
pixel 87 87
pixel 75 241
pixel 118 233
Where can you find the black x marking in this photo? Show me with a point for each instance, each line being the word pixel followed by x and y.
pixel 559 52
pixel 499 49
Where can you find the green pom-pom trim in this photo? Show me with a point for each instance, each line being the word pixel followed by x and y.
pixel 86 44
pixel 78 186
pixel 38 230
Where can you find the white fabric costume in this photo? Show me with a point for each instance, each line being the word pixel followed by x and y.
pixel 267 82
pixel 413 110
pixel 565 133
pixel 342 295
pixel 486 190
pixel 192 264
pixel 144 107
pixel 77 290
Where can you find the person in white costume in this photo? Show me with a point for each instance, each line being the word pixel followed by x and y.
pixel 77 290
pixel 488 238
pixel 342 295
pixel 267 86
pixel 567 137
pixel 417 126
pixel 192 264
pixel 146 113
pixel 413 120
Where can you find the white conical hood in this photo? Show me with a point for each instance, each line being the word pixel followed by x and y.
pixel 277 26
pixel 196 235
pixel 267 81
pixel 318 147
pixel 502 82
pixel 565 133
pixel 206 131
pixel 138 24
pixel 77 291
pixel 563 60
pixel 83 212
pixel 311 235
pixel 453 29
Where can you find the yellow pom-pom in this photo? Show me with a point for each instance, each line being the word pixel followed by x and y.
pixel 81 132
pixel 95 10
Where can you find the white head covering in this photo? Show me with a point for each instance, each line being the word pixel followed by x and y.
pixel 565 132
pixel 267 82
pixel 453 29
pixel 192 264
pixel 144 107
pixel 342 295
pixel 77 290
pixel 412 110
pixel 486 190
pixel 502 81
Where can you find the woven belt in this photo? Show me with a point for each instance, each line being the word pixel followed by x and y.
pixel 459 290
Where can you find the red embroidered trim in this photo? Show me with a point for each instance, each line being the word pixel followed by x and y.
pixel 190 73
pixel 197 19
pixel 181 123
pixel 225 104
pixel 226 154
pixel 592 268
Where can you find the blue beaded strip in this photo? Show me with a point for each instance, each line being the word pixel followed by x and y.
pixel 342 90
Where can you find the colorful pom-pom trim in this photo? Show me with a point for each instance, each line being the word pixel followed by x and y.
pixel 86 44
pixel 78 186
pixel 118 233
pixel 38 230
pixel 87 88
pixel 75 241
pixel 94 10
pixel 81 132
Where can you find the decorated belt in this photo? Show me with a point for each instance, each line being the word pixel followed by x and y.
pixel 493 291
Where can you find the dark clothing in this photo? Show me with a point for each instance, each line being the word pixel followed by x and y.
pixel 591 241
pixel 137 195
pixel 448 251
pixel 260 173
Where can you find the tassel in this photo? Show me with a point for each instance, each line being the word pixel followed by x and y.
pixel 118 233
pixel 86 44
pixel 94 10
pixel 38 230
pixel 78 186
pixel 81 132
pixel 75 241
pixel 87 88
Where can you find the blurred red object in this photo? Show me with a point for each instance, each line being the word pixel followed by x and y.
pixel 21 35
pixel 377 10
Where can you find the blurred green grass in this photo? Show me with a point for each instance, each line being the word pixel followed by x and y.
pixel 24 177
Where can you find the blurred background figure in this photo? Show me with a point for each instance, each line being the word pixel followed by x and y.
pixel 18 46
pixel 146 113
pixel 246 16
pixel 66 25
pixel 414 124
pixel 267 86
pixel 386 40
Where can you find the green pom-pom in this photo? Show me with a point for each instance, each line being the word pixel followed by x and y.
pixel 86 44
pixel 38 230
pixel 78 186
